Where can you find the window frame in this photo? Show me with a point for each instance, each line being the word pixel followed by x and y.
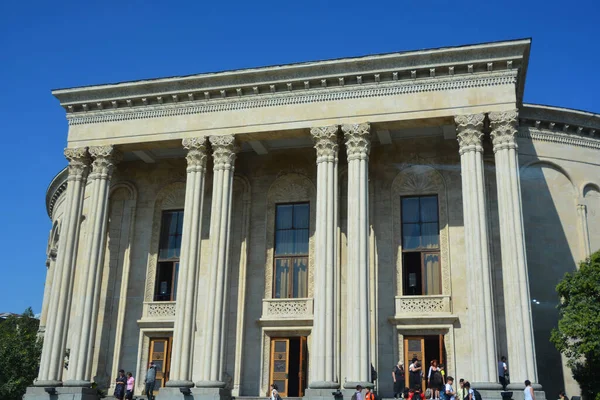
pixel 174 261
pixel 288 257
pixel 422 251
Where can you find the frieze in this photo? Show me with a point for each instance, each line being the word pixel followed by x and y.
pixel 313 95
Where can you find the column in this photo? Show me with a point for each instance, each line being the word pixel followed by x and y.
pixel 585 234
pixel 322 368
pixel 51 364
pixel 517 304
pixel 212 363
pixel 482 326
pixel 185 311
pixel 358 359
pixel 81 355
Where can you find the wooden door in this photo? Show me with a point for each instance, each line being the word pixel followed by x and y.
pixel 414 346
pixel 280 360
pixel 303 365
pixel 160 354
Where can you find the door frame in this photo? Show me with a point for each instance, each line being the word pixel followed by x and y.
pixel 269 333
pixel 447 330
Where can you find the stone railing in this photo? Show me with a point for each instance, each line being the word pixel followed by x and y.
pixel 159 310
pixel 287 308
pixel 423 305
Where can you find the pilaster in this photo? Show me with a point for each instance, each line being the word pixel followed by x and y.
pixel 185 311
pixel 358 361
pixel 481 306
pixel 520 341
pixel 80 360
pixel 585 234
pixel 323 366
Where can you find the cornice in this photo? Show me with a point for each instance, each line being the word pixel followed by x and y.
pixel 56 188
pixel 553 136
pixel 381 85
pixel 560 125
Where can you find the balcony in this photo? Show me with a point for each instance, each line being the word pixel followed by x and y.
pixel 423 308
pixel 159 310
pixel 286 311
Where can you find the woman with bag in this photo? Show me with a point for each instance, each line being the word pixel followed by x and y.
pixel 120 387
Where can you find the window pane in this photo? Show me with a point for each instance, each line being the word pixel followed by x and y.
pixel 280 346
pixel 282 278
pixel 411 236
pixel 283 216
pixel 175 279
pixel 179 222
pixel 410 209
pixel 301 216
pixel 430 235
pixel 429 209
pixel 432 278
pixel 300 278
pixel 284 242
pixel 301 241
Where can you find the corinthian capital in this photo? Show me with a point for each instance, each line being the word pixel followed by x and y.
pixel 469 130
pixel 79 162
pixel 105 158
pixel 196 153
pixel 358 140
pixel 326 143
pixel 504 129
pixel 224 149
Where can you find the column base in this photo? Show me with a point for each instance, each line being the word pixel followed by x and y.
pixel 47 383
pixel 60 393
pixel 486 386
pixel 353 385
pixel 76 384
pixel 194 393
pixel 329 394
pixel 323 385
pixel 179 384
pixel 517 390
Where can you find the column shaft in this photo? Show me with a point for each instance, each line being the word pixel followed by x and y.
pixel 520 340
pixel 224 158
pixel 51 364
pixel 323 370
pixel 358 366
pixel 81 355
pixel 185 312
pixel 481 306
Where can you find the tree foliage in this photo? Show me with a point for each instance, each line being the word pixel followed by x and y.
pixel 20 351
pixel 578 333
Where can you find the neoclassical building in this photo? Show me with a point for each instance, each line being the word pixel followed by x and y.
pixel 299 224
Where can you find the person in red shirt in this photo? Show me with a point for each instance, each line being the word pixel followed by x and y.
pixel 369 395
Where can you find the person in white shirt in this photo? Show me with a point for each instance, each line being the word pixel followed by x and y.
pixel 274 392
pixel 528 392
pixel 502 372
pixel 450 393
pixel 470 393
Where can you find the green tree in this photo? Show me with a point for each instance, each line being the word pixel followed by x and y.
pixel 20 351
pixel 578 333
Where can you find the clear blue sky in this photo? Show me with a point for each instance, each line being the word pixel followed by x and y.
pixel 46 45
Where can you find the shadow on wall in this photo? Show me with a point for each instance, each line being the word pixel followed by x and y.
pixel 550 220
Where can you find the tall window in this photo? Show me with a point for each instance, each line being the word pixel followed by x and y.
pixel 291 250
pixel 421 246
pixel 169 251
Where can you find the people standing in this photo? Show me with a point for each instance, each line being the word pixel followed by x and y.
pixel 470 393
pixel 502 372
pixel 528 391
pixel 130 385
pixel 369 395
pixel 435 379
pixel 274 393
pixel 449 390
pixel 150 380
pixel 120 386
pixel 414 371
pixel 462 391
pixel 358 394
pixel 562 395
pixel 399 377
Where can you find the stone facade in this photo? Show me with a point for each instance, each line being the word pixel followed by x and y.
pixel 518 205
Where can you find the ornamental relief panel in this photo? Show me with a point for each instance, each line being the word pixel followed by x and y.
pixel 289 188
pixel 171 197
pixel 419 180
